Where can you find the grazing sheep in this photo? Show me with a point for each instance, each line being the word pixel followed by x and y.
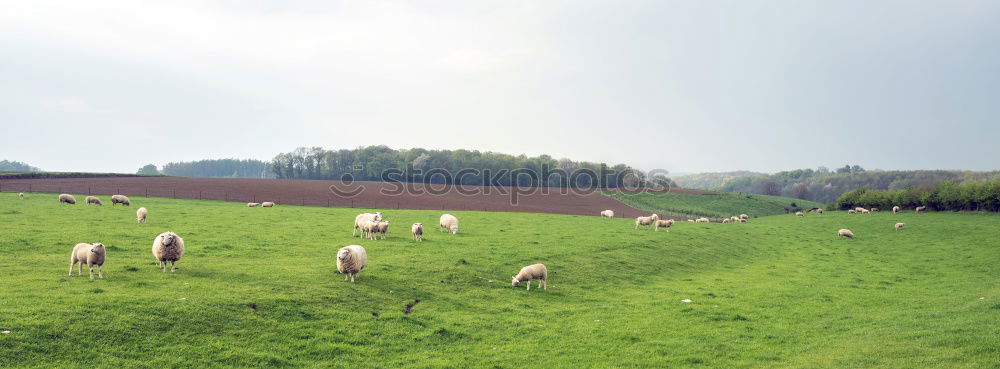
pixel 92 200
pixel 529 273
pixel 852 211
pixel 874 210
pixel 20 195
pixel 665 224
pixel 363 218
pixel 895 209
pixel 819 211
pixel 900 226
pixel 253 204
pixel 859 209
pixel 845 233
pixel 799 214
pixel 368 229
pixel 267 204
pixel 725 221
pixel 120 199
pixel 645 221
pixel 920 208
pixel 168 246
pixel 864 211
pixel 418 232
pixel 608 213
pixel 702 220
pixel 90 254
pixel 382 228
pixel 735 219
pixel 744 216
pixel 140 215
pixel 743 220
pixel 67 199
pixel 351 260
pixel 448 223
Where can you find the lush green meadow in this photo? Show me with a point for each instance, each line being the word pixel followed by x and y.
pixel 712 205
pixel 258 287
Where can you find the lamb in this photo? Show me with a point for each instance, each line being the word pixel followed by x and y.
pixel 20 195
pixel 67 199
pixel 895 209
pixel 418 232
pixel 744 216
pixel 864 211
pixel 735 219
pixel 90 254
pixel 920 208
pixel 859 210
pixel 529 273
pixel 665 224
pixel 608 213
pixel 799 214
pixel 845 233
pixel 382 227
pixel 252 204
pixel 120 199
pixel 351 260
pixel 168 246
pixel 874 210
pixel 702 220
pixel 363 218
pixel 448 223
pixel 851 211
pixel 368 229
pixel 725 221
pixel 267 204
pixel 140 215
pixel 646 220
pixel 92 200
pixel 900 226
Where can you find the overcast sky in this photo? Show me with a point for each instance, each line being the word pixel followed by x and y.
pixel 686 86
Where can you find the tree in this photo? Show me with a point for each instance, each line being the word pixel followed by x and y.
pixel 148 170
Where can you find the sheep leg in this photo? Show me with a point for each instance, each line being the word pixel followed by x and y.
pixel 91 266
pixel 347 276
pixel 545 284
pixel 352 277
pixel 173 263
pixel 79 270
pixel 100 271
pixel 72 263
pixel 529 285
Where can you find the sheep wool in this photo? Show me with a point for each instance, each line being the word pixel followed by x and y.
pixel 20 195
pixel 418 232
pixel 120 199
pixel 252 204
pixel 665 224
pixel 140 215
pixel 267 204
pixel 608 213
pixel 900 226
pixel 845 233
pixel 529 273
pixel 448 223
pixel 351 260
pixel 90 254
pixel 168 247
pixel 895 209
pixel 361 219
pixel 67 199
pixel 645 221
pixel 92 200
pixel 920 208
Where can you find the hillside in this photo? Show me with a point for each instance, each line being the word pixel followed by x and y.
pixel 777 292
pixel 712 205
pixel 711 181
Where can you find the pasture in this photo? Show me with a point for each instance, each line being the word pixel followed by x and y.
pixel 713 205
pixel 258 288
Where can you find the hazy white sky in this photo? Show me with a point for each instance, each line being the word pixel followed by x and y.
pixel 685 86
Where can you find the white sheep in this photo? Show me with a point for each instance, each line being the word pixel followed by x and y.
pixel 690 220
pixel 351 260
pixel 120 199
pixel 168 246
pixel 743 220
pixel 92 200
pixel 819 211
pixel 702 220
pixel 20 195
pixel 363 218
pixel 418 232
pixel 529 273
pixel 735 219
pixel 665 224
pixel 267 204
pixel 920 208
pixel 448 223
pixel 67 199
pixel 874 210
pixel 90 254
pixel 253 204
pixel 725 221
pixel 368 229
pixel 900 226
pixel 851 211
pixel 864 211
pixel 645 221
pixel 895 209
pixel 845 233
pixel 140 215
pixel 382 228
pixel 799 214
pixel 608 213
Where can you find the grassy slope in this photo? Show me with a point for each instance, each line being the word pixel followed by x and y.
pixel 714 205
pixel 777 292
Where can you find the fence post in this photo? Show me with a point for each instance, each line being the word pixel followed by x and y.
pixel 29 187
pixel 147 191
pixel 175 193
pixel 352 204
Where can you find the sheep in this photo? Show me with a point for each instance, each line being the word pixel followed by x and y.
pixel 744 216
pixel 845 233
pixel 874 210
pixel 920 208
pixel 864 211
pixel 725 221
pixel 608 213
pixel 418 232
pixel 529 273
pixel 743 220
pixel 645 221
pixel 90 254
pixel 895 209
pixel 20 195
pixel 363 218
pixel 448 223
pixel 351 260
pixel 382 227
pixel 702 220
pixel 799 214
pixel 92 200
pixel 368 229
pixel 735 219
pixel 819 211
pixel 252 204
pixel 140 215
pixel 67 199
pixel 851 211
pixel 690 220
pixel 267 204
pixel 665 224
pixel 120 199
pixel 900 226
pixel 168 246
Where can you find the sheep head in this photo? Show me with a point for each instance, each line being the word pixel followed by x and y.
pixel 97 247
pixel 513 281
pixel 168 239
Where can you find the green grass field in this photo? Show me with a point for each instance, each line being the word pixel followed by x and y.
pixel 258 287
pixel 712 205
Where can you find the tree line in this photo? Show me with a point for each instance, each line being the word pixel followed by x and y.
pixel 231 168
pixel 946 195
pixel 16 166
pixel 381 163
